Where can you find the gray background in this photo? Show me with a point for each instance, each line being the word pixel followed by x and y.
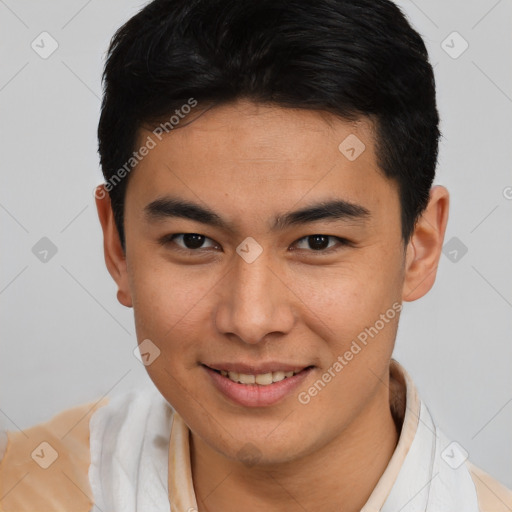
pixel 65 340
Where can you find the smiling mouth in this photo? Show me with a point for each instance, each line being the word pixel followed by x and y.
pixel 261 379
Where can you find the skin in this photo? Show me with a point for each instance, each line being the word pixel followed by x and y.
pixel 249 163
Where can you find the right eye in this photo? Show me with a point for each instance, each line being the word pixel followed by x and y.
pixel 186 242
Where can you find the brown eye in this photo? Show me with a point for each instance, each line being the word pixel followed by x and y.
pixel 189 241
pixel 320 243
pixel 193 240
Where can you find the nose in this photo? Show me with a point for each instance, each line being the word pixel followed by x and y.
pixel 255 301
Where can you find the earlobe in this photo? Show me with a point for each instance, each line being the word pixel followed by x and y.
pixel 425 246
pixel 114 254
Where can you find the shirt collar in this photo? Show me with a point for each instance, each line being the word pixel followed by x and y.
pixel 405 407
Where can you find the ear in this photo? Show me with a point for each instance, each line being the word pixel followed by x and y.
pixel 425 246
pixel 115 258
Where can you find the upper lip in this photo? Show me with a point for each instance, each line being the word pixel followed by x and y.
pixel 256 369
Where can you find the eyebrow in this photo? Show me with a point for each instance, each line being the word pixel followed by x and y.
pixel 329 210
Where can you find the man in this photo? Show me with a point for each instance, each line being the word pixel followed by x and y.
pixel 267 207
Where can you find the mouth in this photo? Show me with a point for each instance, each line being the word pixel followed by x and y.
pixel 256 386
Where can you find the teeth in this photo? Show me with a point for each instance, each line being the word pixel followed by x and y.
pixel 263 379
pixel 277 376
pixel 246 379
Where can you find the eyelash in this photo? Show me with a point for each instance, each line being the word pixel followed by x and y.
pixel 167 239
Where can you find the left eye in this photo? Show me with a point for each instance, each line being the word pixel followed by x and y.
pixel 320 243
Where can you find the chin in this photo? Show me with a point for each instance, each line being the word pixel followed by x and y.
pixel 254 450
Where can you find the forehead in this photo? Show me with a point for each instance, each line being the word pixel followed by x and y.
pixel 246 131
pixel 265 159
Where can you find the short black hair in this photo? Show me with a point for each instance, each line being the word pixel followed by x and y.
pixel 352 58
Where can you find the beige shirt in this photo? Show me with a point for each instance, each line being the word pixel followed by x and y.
pixel 69 463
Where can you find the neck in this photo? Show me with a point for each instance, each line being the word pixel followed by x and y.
pixel 340 476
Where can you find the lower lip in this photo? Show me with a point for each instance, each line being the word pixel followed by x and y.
pixel 254 395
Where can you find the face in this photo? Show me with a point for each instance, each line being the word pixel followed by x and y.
pixel 238 281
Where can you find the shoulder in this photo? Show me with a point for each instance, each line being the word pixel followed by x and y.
pixel 47 457
pixel 492 495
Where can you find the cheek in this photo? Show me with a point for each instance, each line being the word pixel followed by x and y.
pixel 166 300
pixel 168 310
pixel 348 296
pixel 360 306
